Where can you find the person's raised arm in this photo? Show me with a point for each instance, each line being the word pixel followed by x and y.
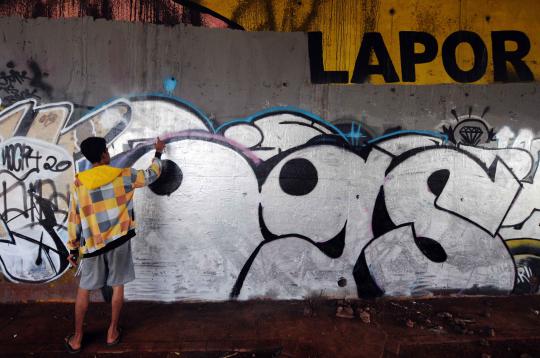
pixel 146 177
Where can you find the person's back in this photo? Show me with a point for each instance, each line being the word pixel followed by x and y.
pixel 105 206
pixel 100 225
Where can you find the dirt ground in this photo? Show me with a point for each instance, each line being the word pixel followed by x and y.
pixel 437 327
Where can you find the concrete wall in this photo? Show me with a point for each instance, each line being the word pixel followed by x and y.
pixel 275 187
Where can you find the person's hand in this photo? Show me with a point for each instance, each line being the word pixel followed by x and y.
pixel 72 260
pixel 160 145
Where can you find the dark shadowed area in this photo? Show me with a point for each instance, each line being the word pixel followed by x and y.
pixel 466 326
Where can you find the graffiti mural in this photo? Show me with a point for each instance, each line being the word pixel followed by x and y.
pixel 281 203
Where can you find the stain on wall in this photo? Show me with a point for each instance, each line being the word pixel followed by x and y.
pixel 16 84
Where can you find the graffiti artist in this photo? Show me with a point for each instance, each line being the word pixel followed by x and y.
pixel 100 226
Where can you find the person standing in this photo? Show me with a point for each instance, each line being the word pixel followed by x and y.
pixel 101 223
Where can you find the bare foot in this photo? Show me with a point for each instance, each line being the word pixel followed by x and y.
pixel 74 341
pixel 112 335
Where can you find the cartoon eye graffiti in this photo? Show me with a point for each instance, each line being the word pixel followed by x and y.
pixel 431 249
pixel 303 180
pixel 437 181
pixel 298 177
pixel 169 180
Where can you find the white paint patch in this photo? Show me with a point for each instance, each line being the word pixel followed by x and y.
pixel 504 137
pixel 401 144
pixel 401 269
pixel 193 244
pixel 246 134
pixel 469 192
pixel 524 139
pixel 519 161
pixel 151 118
pixel 285 131
pixel 295 269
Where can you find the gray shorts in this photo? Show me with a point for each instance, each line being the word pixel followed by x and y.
pixel 112 268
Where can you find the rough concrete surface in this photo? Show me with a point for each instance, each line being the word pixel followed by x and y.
pixel 466 327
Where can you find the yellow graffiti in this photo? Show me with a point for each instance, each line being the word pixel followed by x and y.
pixel 344 22
pixel 525 244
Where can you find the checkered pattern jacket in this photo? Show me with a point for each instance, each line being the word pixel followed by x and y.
pixel 100 215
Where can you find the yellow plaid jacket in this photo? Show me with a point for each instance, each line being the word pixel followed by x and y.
pixel 101 206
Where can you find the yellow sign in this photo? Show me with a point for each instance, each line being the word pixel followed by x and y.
pixel 405 41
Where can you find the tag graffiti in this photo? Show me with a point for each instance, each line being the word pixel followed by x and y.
pixel 33 200
pixel 23 159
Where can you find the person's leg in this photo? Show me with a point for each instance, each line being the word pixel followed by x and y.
pixel 81 306
pixel 121 271
pixel 92 277
pixel 116 303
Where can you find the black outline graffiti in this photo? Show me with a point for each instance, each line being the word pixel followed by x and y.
pixel 41 212
pixel 490 171
pixel 475 123
pixel 382 222
pixel 23 157
pixel 332 248
pixel 431 248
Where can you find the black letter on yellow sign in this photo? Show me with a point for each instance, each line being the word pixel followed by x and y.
pixel 409 58
pixel 362 68
pixel 449 56
pixel 501 55
pixel 316 66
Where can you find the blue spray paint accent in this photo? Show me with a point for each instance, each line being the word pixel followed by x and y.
pixel 169 84
pixel 444 137
pixel 352 137
pixel 355 134
pixel 164 96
